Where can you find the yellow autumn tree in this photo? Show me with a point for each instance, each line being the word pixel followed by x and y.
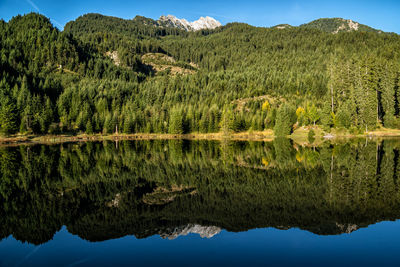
pixel 266 106
pixel 300 113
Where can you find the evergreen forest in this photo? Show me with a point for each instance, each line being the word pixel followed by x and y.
pixel 103 75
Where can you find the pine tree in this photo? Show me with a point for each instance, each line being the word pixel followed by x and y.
pixel 365 95
pixel 89 127
pixel 47 116
pixel 8 117
pixel 175 121
pixel 285 118
pixel 388 96
pixel 226 120
pixel 128 124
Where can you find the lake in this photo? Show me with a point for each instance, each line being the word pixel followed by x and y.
pixel 196 203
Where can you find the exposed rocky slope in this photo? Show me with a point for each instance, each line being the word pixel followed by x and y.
pixel 202 23
pixel 336 25
pixel 162 63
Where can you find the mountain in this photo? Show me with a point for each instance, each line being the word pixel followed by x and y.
pixel 331 25
pixel 171 25
pixel 144 21
pixel 200 24
pixel 128 75
pixel 139 26
pixel 336 25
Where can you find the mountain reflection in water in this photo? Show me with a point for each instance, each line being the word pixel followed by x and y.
pixel 104 190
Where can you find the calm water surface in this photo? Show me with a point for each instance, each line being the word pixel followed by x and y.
pixel 200 203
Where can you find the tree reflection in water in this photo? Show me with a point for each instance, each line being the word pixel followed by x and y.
pixel 101 191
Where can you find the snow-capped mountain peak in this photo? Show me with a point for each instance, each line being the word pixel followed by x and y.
pixel 205 23
pixel 202 23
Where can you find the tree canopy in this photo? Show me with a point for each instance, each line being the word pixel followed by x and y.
pixel 103 73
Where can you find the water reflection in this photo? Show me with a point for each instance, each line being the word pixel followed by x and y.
pixel 101 191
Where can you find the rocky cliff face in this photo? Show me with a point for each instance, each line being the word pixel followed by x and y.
pixel 202 23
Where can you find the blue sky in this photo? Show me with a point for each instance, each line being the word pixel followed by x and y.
pixel 382 14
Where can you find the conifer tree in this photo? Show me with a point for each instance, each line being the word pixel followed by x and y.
pixel 175 121
pixel 285 118
pixel 8 116
pixel 388 96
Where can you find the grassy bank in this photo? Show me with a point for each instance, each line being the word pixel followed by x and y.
pixel 300 136
pixel 267 135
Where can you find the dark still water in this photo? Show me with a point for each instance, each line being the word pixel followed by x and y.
pixel 200 203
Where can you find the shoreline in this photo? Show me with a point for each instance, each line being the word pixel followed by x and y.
pixel 267 135
pixel 57 139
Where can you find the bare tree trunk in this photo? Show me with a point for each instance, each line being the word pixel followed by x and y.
pixel 377 106
pixel 331 93
pixel 332 98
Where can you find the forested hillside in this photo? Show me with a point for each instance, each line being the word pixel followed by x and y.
pixel 105 74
